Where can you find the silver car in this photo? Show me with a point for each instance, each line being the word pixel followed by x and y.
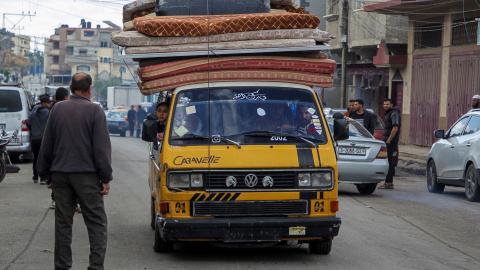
pixel 361 159
pixel 454 160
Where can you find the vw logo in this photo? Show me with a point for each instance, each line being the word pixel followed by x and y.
pixel 251 180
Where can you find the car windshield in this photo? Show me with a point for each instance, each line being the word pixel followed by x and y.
pixel 246 116
pixel 356 130
pixel 116 115
pixel 10 101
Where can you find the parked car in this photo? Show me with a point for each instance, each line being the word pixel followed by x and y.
pixel 379 125
pixel 15 107
pixel 361 159
pixel 454 160
pixel 117 122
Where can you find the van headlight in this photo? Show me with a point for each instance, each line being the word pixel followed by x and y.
pixel 185 180
pixel 315 179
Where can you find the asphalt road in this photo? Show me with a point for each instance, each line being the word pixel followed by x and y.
pixel 405 228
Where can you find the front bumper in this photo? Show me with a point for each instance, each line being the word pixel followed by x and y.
pixel 248 229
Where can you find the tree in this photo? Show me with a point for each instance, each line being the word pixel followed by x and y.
pixel 36 58
pixel 100 86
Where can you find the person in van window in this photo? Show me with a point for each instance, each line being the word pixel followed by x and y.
pixel 36 122
pixel 161 110
pixel 277 118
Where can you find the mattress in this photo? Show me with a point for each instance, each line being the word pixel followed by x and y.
pixel 136 39
pixel 153 72
pixel 136 6
pixel 172 82
pixel 221 24
pixel 233 45
pixel 211 7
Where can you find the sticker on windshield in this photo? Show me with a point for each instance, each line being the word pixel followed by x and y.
pixel 250 96
pixel 315 116
pixel 261 112
pixel 312 130
pixel 179 115
pixel 190 110
pixel 311 111
pixel 316 120
pixel 181 131
pixel 184 100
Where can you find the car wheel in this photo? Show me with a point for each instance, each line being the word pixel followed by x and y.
pixel 366 188
pixel 3 169
pixel 160 244
pixel 320 246
pixel 472 188
pixel 152 214
pixel 432 182
pixel 14 157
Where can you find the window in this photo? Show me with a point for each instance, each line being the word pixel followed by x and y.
pixel 473 125
pixel 428 35
pixel 88 33
pixel 332 7
pixel 458 128
pixel 70 32
pixel 10 101
pixel 464 33
pixel 83 52
pixel 69 50
pixel 83 68
pixel 357 5
pixel 122 69
pixel 104 44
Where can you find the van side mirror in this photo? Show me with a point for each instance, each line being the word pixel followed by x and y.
pixel 149 131
pixel 340 127
pixel 439 133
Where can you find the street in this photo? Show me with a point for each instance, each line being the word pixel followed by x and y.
pixel 404 228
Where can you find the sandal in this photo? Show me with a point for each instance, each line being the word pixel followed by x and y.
pixel 386 186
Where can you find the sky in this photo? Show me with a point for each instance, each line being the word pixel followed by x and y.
pixel 51 14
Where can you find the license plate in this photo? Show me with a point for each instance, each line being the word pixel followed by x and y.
pixel 114 123
pixel 296 231
pixel 352 151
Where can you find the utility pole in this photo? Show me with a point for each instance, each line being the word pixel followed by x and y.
pixel 344 40
pixel 16 14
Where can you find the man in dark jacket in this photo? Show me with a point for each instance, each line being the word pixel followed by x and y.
pixel 36 123
pixel 391 136
pixel 76 158
pixel 366 118
pixel 141 115
pixel 131 116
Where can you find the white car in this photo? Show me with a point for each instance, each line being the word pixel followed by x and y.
pixel 361 159
pixel 454 160
pixel 15 107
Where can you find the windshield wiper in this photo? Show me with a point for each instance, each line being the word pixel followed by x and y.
pixel 269 133
pixel 197 137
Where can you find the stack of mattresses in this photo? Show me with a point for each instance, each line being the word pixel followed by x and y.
pixel 194 33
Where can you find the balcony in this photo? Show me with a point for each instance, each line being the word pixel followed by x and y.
pixel 54 67
pixel 55 38
pixel 54 52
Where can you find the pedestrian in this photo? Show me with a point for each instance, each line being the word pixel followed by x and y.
pixel 131 116
pixel 365 117
pixel 36 122
pixel 141 115
pixel 350 109
pixel 475 103
pixel 391 136
pixel 60 95
pixel 76 158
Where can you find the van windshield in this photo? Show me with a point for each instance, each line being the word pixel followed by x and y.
pixel 246 116
pixel 10 101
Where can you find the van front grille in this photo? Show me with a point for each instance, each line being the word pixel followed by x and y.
pixel 249 208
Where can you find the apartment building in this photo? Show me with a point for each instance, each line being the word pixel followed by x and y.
pixel 22 44
pixel 443 61
pixel 86 49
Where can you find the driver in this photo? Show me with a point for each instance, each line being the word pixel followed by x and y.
pixel 304 121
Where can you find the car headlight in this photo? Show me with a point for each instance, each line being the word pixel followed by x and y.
pixel 179 180
pixel 196 180
pixel 323 179
pixel 185 180
pixel 304 180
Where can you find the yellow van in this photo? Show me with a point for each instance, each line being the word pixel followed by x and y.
pixel 244 162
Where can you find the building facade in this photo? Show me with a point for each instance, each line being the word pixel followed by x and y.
pixel 22 45
pixel 85 49
pixel 359 36
pixel 443 62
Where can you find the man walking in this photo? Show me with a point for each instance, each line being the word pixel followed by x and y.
pixel 75 157
pixel 363 116
pixel 391 136
pixel 36 122
pixel 131 116
pixel 141 115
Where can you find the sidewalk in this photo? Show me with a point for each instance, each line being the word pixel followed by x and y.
pixel 413 159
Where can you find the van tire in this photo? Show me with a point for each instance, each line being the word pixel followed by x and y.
pixel 152 214
pixel 161 245
pixel 320 246
pixel 366 188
